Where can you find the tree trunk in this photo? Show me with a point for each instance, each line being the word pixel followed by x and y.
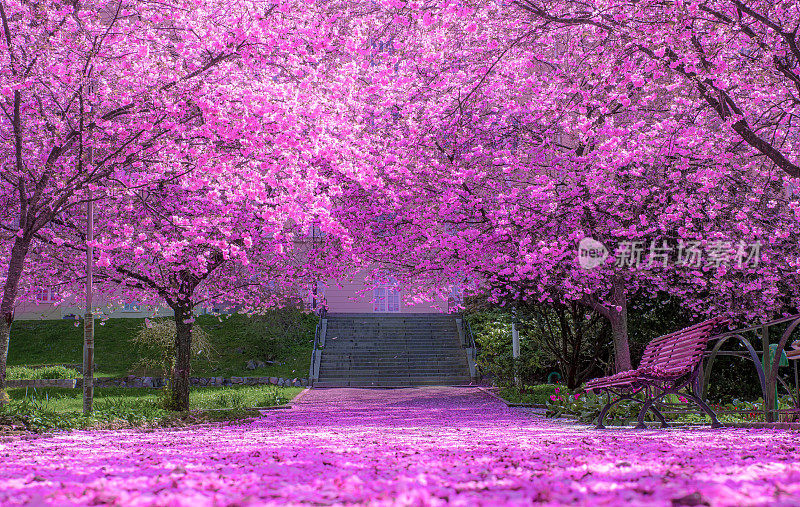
pixel 619 333
pixel 179 380
pixel 616 311
pixel 5 333
pixel 16 265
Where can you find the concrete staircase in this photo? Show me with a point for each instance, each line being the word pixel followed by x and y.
pixel 392 351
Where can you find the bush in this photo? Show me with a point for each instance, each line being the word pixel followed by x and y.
pixel 45 372
pixel 537 395
pixel 155 343
pixel 492 332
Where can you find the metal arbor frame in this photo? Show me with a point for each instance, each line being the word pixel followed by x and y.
pixel 766 370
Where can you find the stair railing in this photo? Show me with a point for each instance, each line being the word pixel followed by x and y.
pixel 471 346
pixel 312 375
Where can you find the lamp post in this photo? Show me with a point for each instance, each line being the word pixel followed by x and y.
pixel 515 347
pixel 88 318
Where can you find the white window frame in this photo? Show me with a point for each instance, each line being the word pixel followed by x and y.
pixel 132 307
pixel 386 297
pixel 48 293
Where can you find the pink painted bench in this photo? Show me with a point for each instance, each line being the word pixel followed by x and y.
pixel 670 364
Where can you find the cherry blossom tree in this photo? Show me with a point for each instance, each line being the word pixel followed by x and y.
pixel 214 237
pixel 125 96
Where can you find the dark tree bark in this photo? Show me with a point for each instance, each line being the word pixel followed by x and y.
pixel 568 330
pixel 16 266
pixel 179 379
pixel 615 309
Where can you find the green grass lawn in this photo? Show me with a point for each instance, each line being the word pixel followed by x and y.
pixel 283 336
pixel 41 410
pixel 71 400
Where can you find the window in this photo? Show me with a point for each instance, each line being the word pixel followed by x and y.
pixel 47 295
pixel 316 299
pixel 455 299
pixel 386 297
pixel 130 307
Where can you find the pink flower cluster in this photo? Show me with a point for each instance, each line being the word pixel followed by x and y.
pixel 429 446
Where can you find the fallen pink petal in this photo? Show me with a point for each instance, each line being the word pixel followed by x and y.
pixel 422 446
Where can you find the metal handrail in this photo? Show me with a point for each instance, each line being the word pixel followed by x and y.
pixel 469 336
pixel 322 312
pixel 471 344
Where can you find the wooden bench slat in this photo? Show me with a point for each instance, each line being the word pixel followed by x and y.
pixel 666 361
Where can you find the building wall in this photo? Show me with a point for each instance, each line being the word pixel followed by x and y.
pixel 343 296
pixel 351 297
pixel 49 311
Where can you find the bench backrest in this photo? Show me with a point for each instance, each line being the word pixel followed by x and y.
pixel 679 352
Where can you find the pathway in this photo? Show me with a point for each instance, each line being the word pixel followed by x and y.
pixel 425 446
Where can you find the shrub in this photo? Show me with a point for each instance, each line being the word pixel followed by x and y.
pixel 586 407
pixel 155 342
pixel 45 372
pixel 492 332
pixel 537 394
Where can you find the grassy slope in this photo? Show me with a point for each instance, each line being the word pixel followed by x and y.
pixel 57 342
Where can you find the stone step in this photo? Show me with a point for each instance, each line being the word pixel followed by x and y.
pixel 393 366
pixel 391 362
pixel 386 351
pixel 422 336
pixel 356 362
pixel 400 373
pixel 392 350
pixel 386 382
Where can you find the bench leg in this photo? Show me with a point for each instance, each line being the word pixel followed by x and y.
pixel 650 405
pixel 605 410
pixel 702 404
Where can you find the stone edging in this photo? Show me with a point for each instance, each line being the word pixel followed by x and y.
pixel 158 382
pixel 765 425
pixel 299 395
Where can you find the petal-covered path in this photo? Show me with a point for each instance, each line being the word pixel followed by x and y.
pixel 426 446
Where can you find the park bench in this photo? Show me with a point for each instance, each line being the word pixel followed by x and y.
pixel 670 364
